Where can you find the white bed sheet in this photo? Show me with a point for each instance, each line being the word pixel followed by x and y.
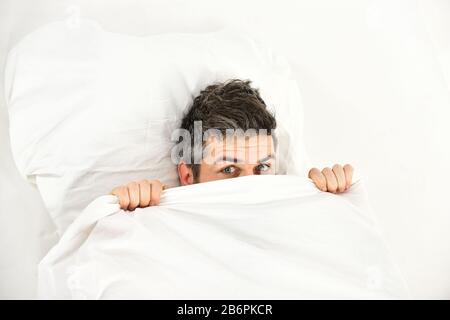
pixel 254 237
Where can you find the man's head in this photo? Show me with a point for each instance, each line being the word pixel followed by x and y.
pixel 236 131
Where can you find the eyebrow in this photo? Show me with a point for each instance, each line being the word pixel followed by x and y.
pixel 236 160
pixel 268 157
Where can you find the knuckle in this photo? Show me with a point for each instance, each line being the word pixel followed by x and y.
pixel 348 167
pixel 322 182
pixel 314 172
pixel 144 187
pixel 132 184
pixel 332 185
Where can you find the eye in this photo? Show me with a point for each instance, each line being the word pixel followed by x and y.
pixel 263 167
pixel 229 170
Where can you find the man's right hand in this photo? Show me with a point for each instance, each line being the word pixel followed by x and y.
pixel 140 194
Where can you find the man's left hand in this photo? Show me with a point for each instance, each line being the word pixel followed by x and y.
pixel 335 180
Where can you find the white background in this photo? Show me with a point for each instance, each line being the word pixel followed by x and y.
pixel 375 79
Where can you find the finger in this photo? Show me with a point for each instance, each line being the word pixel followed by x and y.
pixel 318 178
pixel 122 193
pixel 331 180
pixel 340 177
pixel 133 191
pixel 144 195
pixel 348 171
pixel 156 188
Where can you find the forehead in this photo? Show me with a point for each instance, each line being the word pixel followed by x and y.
pixel 248 149
pixel 241 142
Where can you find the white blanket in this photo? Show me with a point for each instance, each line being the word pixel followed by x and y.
pixel 256 237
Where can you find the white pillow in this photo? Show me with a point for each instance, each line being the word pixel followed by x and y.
pixel 90 110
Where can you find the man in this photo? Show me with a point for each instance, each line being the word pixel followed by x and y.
pixel 236 110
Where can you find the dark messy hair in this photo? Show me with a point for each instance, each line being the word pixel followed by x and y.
pixel 233 104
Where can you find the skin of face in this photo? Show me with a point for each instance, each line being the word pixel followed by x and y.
pixel 233 157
